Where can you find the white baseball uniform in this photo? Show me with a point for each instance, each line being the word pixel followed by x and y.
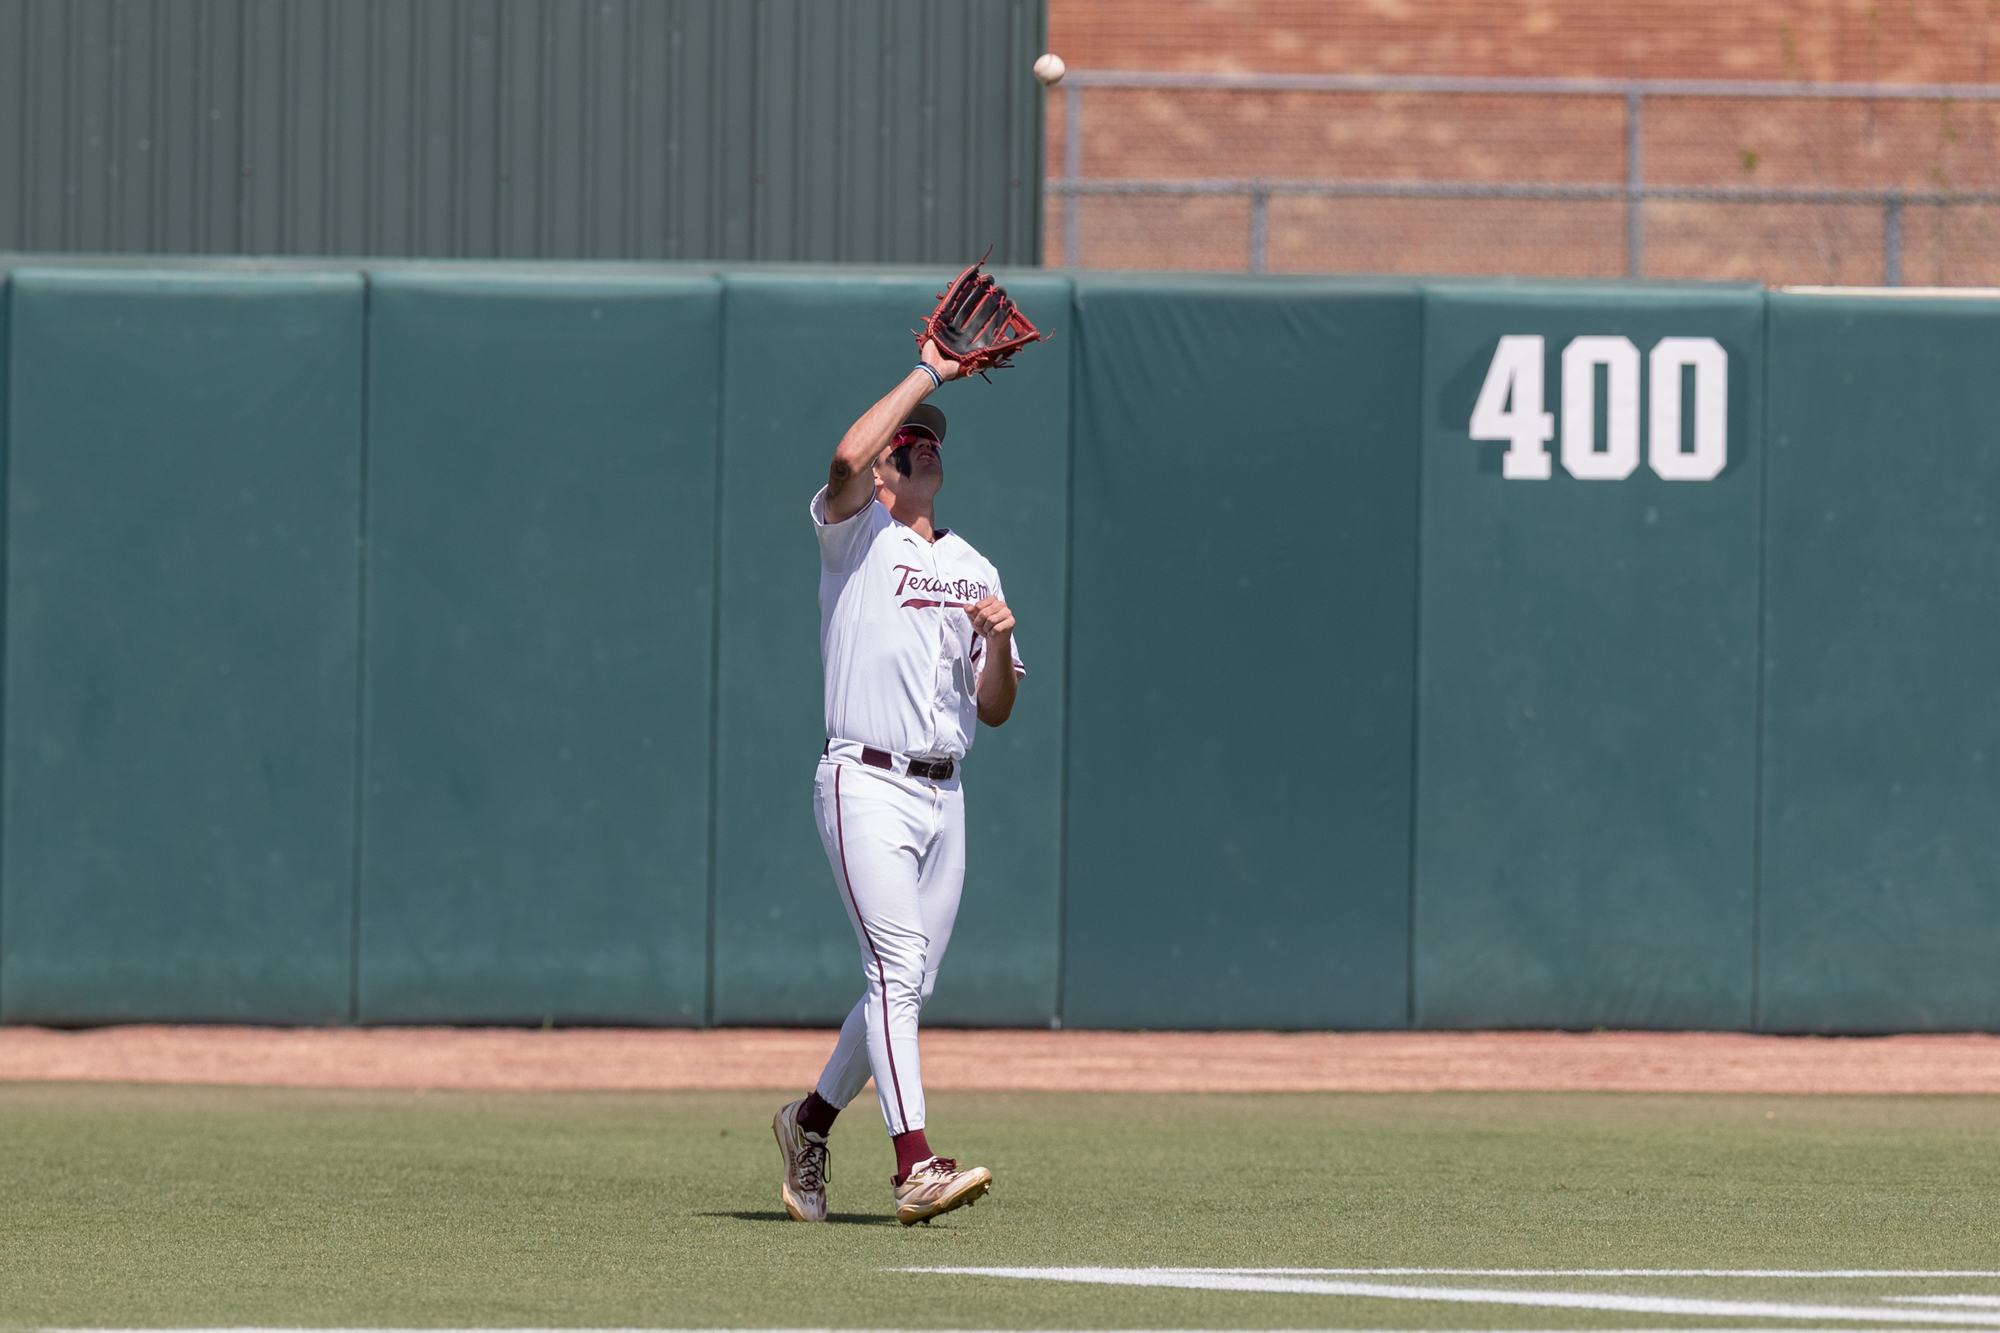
pixel 902 675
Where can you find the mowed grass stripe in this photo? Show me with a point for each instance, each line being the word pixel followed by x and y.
pixel 164 1207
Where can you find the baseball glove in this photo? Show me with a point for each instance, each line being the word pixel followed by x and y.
pixel 977 323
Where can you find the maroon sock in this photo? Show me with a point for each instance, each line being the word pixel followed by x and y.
pixel 910 1149
pixel 816 1114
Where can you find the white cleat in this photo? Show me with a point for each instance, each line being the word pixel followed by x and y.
pixel 936 1185
pixel 806 1165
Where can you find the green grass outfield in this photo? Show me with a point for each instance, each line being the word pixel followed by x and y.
pixel 134 1206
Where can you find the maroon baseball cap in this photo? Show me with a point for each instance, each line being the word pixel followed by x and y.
pixel 925 417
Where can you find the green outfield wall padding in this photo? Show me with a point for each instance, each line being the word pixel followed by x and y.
pixel 541 481
pixel 439 643
pixel 1587 672
pixel 6 285
pixel 1881 801
pixel 182 606
pixel 784 952
pixel 1243 605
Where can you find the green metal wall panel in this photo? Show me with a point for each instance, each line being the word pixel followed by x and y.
pixel 882 131
pixel 182 604
pixel 541 485
pixel 1239 760
pixel 783 949
pixel 1587 684
pixel 1881 801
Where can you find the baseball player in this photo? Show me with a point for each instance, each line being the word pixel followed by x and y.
pixel 917 642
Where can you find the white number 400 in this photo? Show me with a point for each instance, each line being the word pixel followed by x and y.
pixel 1510 408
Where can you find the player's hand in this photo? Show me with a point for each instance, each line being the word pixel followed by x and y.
pixel 991 619
pixel 934 357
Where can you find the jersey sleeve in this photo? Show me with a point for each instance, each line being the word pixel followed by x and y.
pixel 843 545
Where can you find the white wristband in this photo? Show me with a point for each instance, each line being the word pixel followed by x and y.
pixel 937 381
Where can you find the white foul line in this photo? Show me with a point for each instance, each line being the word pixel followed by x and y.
pixel 1612 1272
pixel 1208 1279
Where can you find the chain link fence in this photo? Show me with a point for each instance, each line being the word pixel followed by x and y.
pixel 1781 183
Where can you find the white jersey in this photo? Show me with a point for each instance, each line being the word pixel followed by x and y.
pixel 902 663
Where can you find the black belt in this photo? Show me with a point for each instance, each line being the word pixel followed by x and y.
pixel 932 770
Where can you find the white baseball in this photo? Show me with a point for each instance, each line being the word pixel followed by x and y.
pixel 1049 69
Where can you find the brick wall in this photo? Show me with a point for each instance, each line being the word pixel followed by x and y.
pixel 1943 41
pixel 1154 134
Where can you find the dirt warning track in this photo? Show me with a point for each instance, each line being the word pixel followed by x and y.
pixel 731 1058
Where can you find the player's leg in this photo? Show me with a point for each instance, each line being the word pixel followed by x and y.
pixel 863 837
pixel 897 850
pixel 846 1072
pixel 933 1184
pixel 802 1126
pixel 875 826
pixel 940 883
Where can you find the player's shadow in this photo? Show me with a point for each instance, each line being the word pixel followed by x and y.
pixel 843 1219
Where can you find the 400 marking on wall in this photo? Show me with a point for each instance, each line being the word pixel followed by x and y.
pixel 1510 408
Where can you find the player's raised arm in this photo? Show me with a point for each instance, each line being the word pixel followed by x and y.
pixel 850 481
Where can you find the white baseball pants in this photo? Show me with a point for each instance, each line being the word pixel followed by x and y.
pixel 897 848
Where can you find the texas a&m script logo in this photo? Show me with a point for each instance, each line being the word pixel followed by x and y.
pixel 946 592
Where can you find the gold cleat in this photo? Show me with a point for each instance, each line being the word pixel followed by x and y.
pixel 806 1166
pixel 937 1186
